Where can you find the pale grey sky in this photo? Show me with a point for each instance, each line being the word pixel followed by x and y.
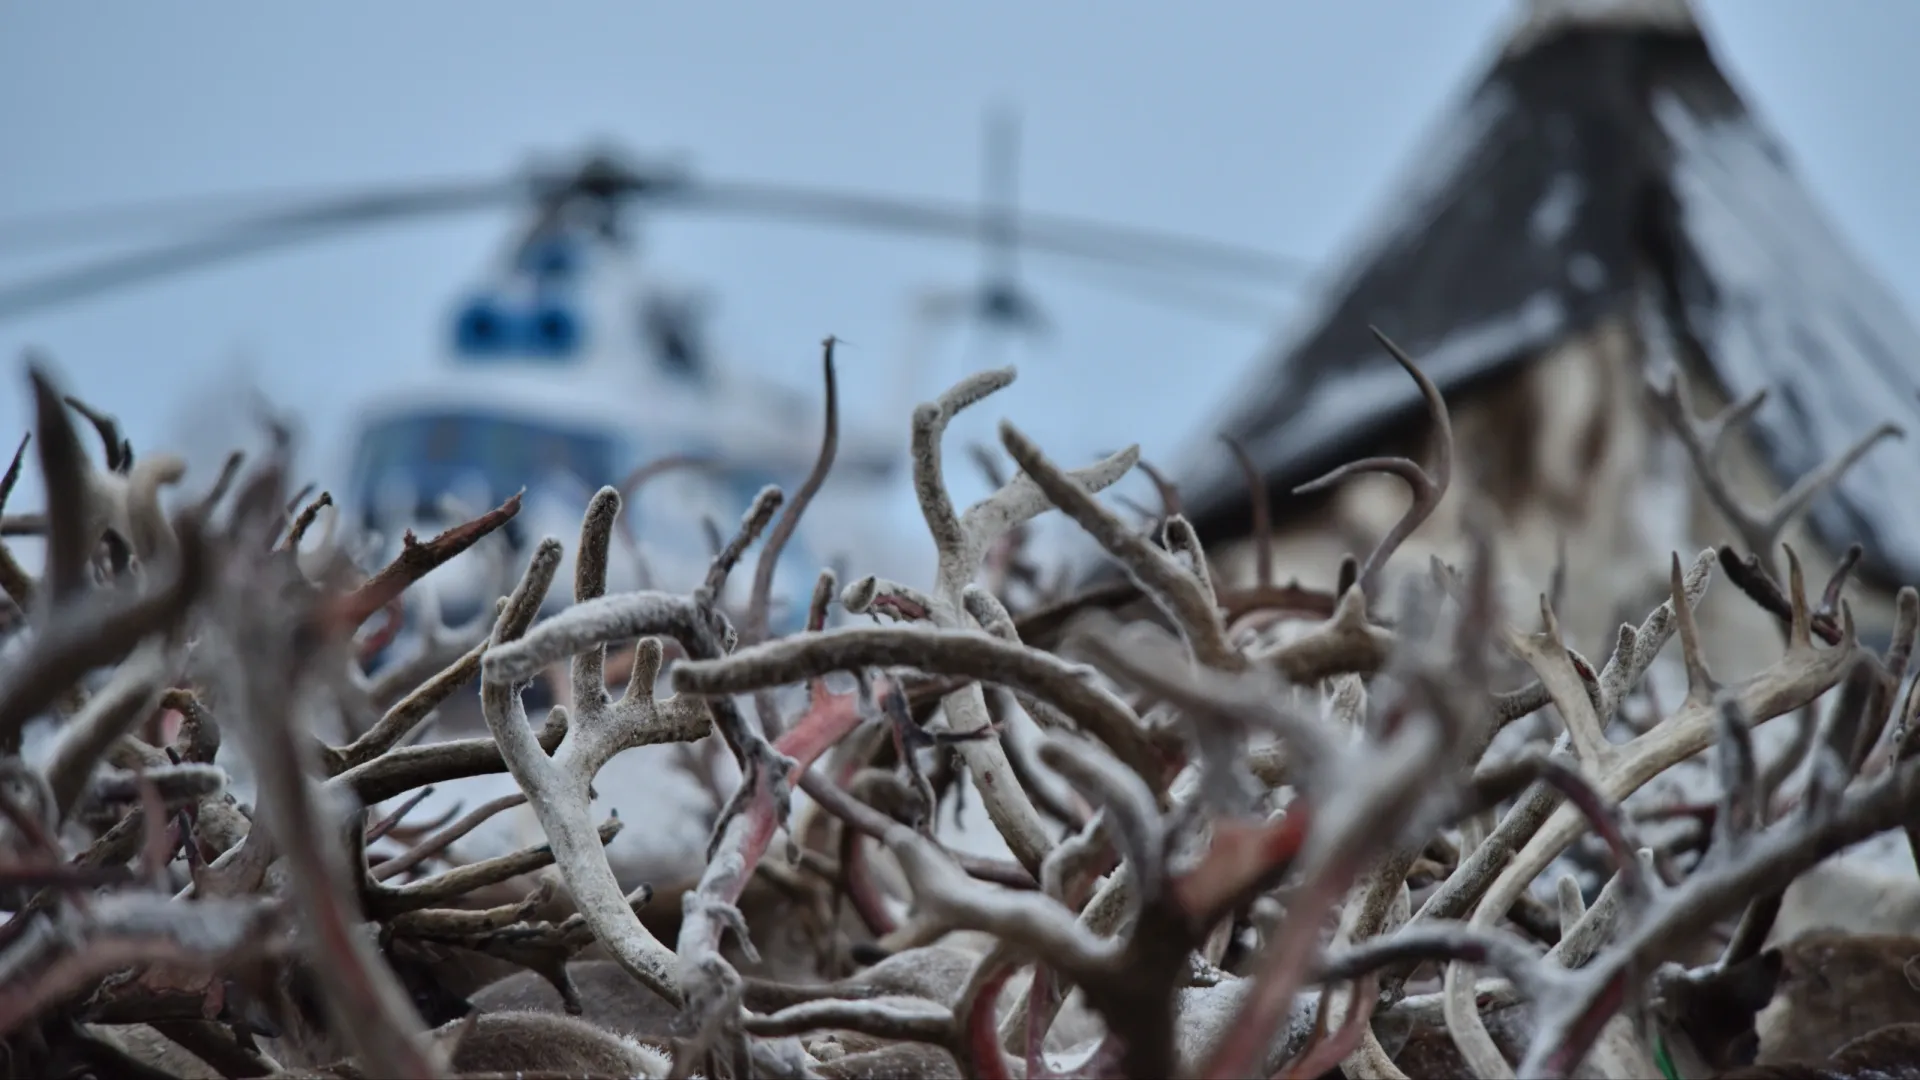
pixel 1275 124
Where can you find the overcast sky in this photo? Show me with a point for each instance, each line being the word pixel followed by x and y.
pixel 1281 125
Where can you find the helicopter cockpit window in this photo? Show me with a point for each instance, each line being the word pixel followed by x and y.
pixel 492 330
pixel 443 453
pixel 482 328
pixel 555 331
pixel 443 440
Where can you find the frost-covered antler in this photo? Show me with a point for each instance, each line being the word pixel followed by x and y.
pixel 961 541
pixel 1427 487
pixel 558 786
pixel 1249 818
pixel 1706 445
pixel 1804 673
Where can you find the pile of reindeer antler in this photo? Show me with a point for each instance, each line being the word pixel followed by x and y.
pixel 1215 813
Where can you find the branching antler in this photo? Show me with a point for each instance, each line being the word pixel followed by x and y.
pixel 760 599
pixel 1706 445
pixel 1428 487
pixel 1249 809
pixel 961 540
pixel 558 786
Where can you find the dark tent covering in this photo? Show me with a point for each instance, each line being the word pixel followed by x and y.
pixel 1598 168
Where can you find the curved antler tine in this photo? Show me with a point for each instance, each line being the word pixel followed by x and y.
pixel 1428 486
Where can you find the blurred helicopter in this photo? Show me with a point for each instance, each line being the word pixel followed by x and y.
pixel 568 366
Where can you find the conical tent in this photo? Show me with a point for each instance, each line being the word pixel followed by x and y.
pixel 1603 168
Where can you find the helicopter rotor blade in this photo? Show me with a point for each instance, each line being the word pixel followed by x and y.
pixel 1056 235
pixel 1003 301
pixel 22 236
pixel 251 236
pixel 1172 293
pixel 110 224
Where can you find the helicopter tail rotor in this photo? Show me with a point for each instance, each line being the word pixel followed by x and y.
pixel 1002 302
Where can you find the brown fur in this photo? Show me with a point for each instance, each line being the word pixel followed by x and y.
pixel 790 918
pixel 534 1041
pixel 611 999
pixel 1710 1014
pixel 286 996
pixel 525 1042
pixel 615 1001
pixel 1777 1072
pixel 1893 1050
pixel 1429 1052
pixel 916 1060
pixel 1835 988
pixel 148 1047
pixel 1891 1053
pixel 935 972
pixel 792 922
